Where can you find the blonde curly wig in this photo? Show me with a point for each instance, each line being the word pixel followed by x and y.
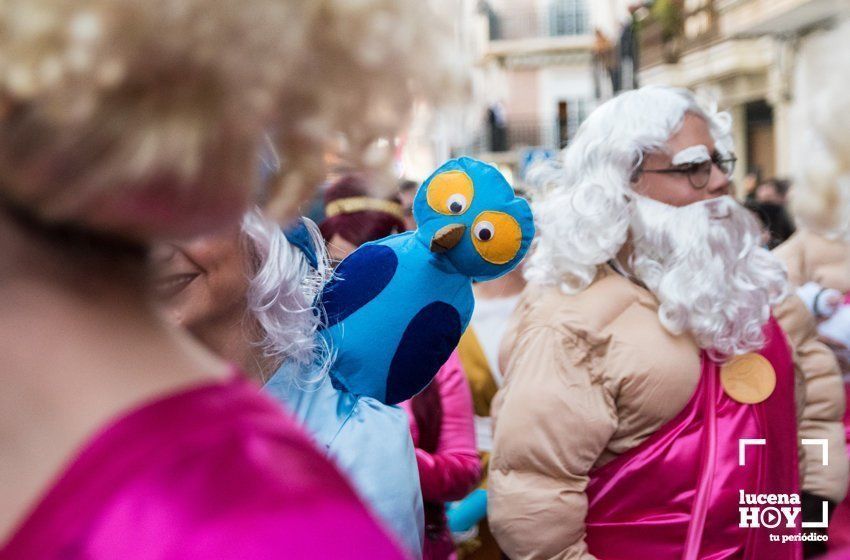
pixel 104 98
pixel 369 61
pixel 821 201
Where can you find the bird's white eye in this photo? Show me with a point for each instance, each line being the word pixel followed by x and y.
pixel 484 231
pixel 456 203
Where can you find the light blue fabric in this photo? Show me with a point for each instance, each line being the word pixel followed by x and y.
pixel 370 442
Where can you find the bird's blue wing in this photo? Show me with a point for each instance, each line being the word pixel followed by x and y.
pixel 426 344
pixel 358 279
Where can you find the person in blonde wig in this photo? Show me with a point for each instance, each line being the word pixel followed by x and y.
pixel 818 255
pixel 344 74
pixel 122 123
pixel 644 348
pixel 822 201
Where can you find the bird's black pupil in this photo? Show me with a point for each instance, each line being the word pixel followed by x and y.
pixel 455 207
pixel 484 235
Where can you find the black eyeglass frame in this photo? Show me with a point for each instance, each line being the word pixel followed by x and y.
pixel 692 169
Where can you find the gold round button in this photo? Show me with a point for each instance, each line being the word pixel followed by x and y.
pixel 748 379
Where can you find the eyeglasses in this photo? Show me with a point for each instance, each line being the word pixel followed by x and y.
pixel 699 173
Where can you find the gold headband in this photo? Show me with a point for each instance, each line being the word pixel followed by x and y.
pixel 361 204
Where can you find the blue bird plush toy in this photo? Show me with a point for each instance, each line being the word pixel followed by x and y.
pixel 396 308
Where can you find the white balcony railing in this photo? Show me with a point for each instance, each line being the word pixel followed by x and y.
pixel 558 18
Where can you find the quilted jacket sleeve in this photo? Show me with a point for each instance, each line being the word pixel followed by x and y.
pixel 553 420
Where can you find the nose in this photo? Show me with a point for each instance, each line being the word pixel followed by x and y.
pixel 718 183
pixel 447 237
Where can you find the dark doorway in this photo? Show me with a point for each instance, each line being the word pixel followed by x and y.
pixel 761 147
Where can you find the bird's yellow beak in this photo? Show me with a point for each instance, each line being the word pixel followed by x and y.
pixel 447 237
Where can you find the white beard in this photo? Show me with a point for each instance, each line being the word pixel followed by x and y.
pixel 705 265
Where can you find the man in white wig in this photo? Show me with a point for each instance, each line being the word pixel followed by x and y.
pixel 644 351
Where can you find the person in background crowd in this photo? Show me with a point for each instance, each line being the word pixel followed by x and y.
pixel 440 416
pixel 406 193
pixel 478 350
pixel 444 435
pixel 352 217
pixel 751 182
pixel 774 191
pixel 643 348
pixel 247 294
pixel 123 124
pixel 768 204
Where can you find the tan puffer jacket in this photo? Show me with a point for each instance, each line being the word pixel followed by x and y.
pixel 812 258
pixel 589 377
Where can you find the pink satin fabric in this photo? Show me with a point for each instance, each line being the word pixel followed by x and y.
pixel 214 472
pixel 676 495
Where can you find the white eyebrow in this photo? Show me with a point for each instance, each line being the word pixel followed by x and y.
pixel 693 154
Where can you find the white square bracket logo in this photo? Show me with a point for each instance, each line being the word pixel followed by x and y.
pixel 742 448
pixel 824 449
pixel 742 461
pixel 824 522
pixel 824 516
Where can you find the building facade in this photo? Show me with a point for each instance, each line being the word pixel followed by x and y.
pixel 757 58
pixel 539 63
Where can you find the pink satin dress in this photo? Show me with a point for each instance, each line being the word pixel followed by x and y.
pixel 213 472
pixel 676 495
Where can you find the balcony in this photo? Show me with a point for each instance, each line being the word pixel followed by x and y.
pixel 557 26
pixel 655 47
pixel 503 144
pixel 672 28
pixel 748 18
pixel 557 20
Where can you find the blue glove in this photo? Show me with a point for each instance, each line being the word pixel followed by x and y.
pixel 468 512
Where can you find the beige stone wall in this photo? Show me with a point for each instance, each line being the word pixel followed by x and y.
pixel 523 93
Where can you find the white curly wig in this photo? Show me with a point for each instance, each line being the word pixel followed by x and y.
pixel 584 207
pixel 281 293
